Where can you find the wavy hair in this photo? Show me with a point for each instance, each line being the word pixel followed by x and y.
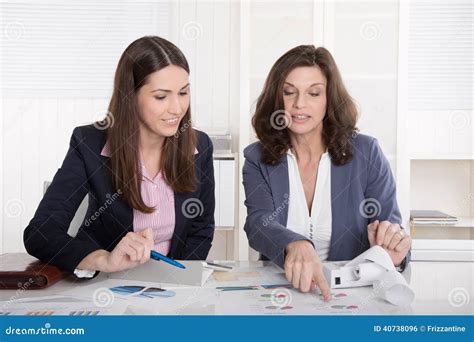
pixel 339 122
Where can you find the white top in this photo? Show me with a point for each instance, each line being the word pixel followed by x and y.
pixel 318 226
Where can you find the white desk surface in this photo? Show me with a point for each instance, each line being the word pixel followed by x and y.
pixel 441 288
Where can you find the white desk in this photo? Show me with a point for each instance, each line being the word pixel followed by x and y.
pixel 441 288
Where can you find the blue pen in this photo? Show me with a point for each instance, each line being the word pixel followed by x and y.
pixel 157 256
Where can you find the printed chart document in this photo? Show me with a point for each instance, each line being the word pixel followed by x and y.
pixel 287 301
pixel 64 305
pixel 148 298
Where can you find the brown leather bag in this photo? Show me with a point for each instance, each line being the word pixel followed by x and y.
pixel 22 271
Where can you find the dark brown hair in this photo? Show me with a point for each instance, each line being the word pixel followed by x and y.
pixel 339 122
pixel 141 58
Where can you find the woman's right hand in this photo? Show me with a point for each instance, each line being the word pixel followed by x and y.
pixel 133 250
pixel 303 268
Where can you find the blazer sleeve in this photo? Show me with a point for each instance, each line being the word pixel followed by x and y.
pixel 381 190
pixel 46 235
pixel 265 234
pixel 201 232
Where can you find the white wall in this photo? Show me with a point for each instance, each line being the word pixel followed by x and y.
pixel 37 122
pixel 435 141
pixel 36 129
pixel 230 46
pixel 363 38
pixel 36 133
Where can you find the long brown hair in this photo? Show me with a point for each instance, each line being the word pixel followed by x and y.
pixel 141 58
pixel 339 122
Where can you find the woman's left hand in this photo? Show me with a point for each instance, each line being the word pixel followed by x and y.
pixel 391 237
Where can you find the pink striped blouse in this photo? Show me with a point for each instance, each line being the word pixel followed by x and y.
pixel 155 193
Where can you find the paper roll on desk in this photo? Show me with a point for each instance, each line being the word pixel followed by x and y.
pixel 373 267
pixel 389 285
pixel 369 271
pixel 394 289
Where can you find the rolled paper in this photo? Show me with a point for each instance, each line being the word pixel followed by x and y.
pixel 369 271
pixel 393 288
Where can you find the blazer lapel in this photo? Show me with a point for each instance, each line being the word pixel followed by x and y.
pixel 340 186
pixel 280 187
pixel 179 222
pixel 122 213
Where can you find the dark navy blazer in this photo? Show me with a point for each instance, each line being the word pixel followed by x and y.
pixel 362 191
pixel 86 171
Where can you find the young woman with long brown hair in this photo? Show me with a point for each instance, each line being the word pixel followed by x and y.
pixel 148 173
pixel 316 189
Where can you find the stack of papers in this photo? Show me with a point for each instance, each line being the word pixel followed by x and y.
pixel 431 217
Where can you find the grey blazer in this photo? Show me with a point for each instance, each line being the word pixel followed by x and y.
pixel 362 191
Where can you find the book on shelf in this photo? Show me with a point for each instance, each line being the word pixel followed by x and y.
pixel 432 217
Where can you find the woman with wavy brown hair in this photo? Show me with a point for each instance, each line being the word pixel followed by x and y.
pixel 315 189
pixel 148 174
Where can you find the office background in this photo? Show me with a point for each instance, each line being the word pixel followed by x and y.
pixel 408 65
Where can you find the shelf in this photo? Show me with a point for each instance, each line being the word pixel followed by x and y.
pixel 459 231
pixel 463 222
pixel 441 157
pixel 224 228
pixel 466 245
pixel 224 156
pixel 442 250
